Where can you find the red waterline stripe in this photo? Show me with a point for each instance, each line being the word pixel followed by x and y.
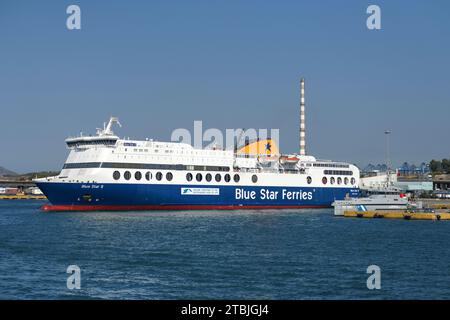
pixel 168 207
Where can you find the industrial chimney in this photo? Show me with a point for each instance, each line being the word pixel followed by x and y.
pixel 302 118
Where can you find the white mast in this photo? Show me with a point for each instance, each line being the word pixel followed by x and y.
pixel 107 131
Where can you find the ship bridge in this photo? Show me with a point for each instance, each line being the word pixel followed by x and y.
pixel 104 137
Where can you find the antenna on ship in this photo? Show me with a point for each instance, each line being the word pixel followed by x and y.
pixel 302 118
pixel 107 131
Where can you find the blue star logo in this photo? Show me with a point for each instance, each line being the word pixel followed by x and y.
pixel 268 146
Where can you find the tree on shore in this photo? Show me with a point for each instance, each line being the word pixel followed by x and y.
pixel 437 166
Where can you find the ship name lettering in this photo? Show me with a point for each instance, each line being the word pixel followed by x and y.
pixel 296 195
pixel 243 194
pixel 268 194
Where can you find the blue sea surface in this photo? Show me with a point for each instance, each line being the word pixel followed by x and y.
pixel 267 254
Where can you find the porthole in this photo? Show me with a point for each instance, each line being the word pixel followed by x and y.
pixel 169 176
pixel 339 180
pixel 159 176
pixel 148 175
pixel 189 176
pixel 236 178
pixel 309 180
pixel 345 180
pixel 353 180
pixel 138 175
pixel 198 177
pixel 127 175
pixel 208 177
pixel 218 177
pixel 116 175
pixel 324 180
pixel 332 180
pixel 227 177
pixel 254 178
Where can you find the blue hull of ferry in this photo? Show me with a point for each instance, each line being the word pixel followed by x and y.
pixel 81 196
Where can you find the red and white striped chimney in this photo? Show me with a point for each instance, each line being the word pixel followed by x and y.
pixel 302 119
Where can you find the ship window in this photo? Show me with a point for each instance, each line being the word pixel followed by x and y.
pixel 127 175
pixel 198 177
pixel 189 176
pixel 236 178
pixel 338 172
pixel 324 180
pixel 345 180
pixel 148 175
pixel 116 175
pixel 218 177
pixel 227 177
pixel 332 180
pixel 254 178
pixel 159 176
pixel 138 175
pixel 339 180
pixel 208 177
pixel 309 180
pixel 353 180
pixel 169 176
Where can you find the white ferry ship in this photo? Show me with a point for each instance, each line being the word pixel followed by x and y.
pixel 104 172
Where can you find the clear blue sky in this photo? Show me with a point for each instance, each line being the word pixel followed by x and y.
pixel 160 65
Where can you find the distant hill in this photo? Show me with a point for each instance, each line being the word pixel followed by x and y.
pixel 40 174
pixel 6 172
pixel 11 175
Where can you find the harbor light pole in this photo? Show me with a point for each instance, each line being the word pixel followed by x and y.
pixel 388 160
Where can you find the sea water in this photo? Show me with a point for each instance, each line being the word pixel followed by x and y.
pixel 255 254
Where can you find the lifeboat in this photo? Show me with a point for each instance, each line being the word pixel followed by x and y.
pixel 289 159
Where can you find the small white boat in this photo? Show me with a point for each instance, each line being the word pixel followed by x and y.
pixel 388 200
